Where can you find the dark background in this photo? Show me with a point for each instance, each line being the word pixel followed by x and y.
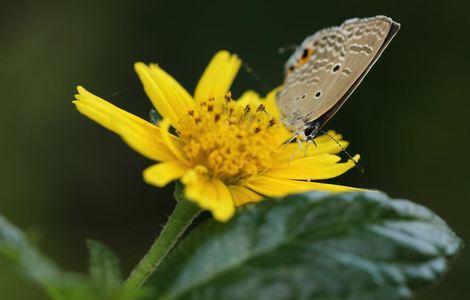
pixel 63 178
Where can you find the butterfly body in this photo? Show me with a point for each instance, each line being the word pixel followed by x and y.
pixel 323 72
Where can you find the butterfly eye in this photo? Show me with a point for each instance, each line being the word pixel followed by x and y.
pixel 318 94
pixel 336 68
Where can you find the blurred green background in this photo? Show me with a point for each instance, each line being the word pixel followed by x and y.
pixel 63 178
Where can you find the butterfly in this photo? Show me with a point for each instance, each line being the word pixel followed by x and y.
pixel 324 71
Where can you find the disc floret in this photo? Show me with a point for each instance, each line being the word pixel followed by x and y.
pixel 229 139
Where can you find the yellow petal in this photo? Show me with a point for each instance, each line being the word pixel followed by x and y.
pixel 280 136
pixel 275 187
pixel 100 110
pixel 270 102
pixel 209 193
pixel 172 144
pixel 241 195
pixel 167 95
pixel 141 135
pixel 161 174
pixel 312 168
pixel 193 178
pixel 249 97
pixel 218 76
pixel 324 145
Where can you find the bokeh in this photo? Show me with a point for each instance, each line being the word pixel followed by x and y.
pixel 63 178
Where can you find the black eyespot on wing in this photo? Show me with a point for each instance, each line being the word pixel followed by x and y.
pixel 318 94
pixel 336 68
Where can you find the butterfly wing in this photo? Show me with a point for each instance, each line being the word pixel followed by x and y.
pixel 327 68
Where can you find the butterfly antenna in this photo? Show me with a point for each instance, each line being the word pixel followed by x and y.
pixel 284 49
pixel 255 76
pixel 361 169
pixel 119 92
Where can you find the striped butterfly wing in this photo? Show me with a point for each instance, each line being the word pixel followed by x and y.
pixel 327 68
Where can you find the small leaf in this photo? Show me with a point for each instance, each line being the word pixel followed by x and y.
pixel 154 116
pixel 354 246
pixel 38 268
pixel 62 285
pixel 105 267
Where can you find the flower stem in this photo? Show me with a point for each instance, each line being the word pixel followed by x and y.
pixel 183 215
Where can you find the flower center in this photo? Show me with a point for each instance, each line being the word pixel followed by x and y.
pixel 232 140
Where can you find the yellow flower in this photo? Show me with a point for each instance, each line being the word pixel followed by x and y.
pixel 226 153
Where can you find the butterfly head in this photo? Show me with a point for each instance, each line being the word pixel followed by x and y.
pixel 302 129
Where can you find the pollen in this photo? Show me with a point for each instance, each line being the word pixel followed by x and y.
pixel 231 140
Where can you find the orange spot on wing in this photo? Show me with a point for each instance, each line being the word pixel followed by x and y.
pixel 290 70
pixel 305 57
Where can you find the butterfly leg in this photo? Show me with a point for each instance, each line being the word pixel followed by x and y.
pixel 308 142
pixel 306 148
pixel 313 142
pixel 289 140
pixel 301 146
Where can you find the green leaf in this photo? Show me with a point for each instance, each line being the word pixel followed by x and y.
pixel 354 246
pixel 62 285
pixel 105 267
pixel 59 285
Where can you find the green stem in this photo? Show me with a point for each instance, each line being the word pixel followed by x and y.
pixel 183 215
